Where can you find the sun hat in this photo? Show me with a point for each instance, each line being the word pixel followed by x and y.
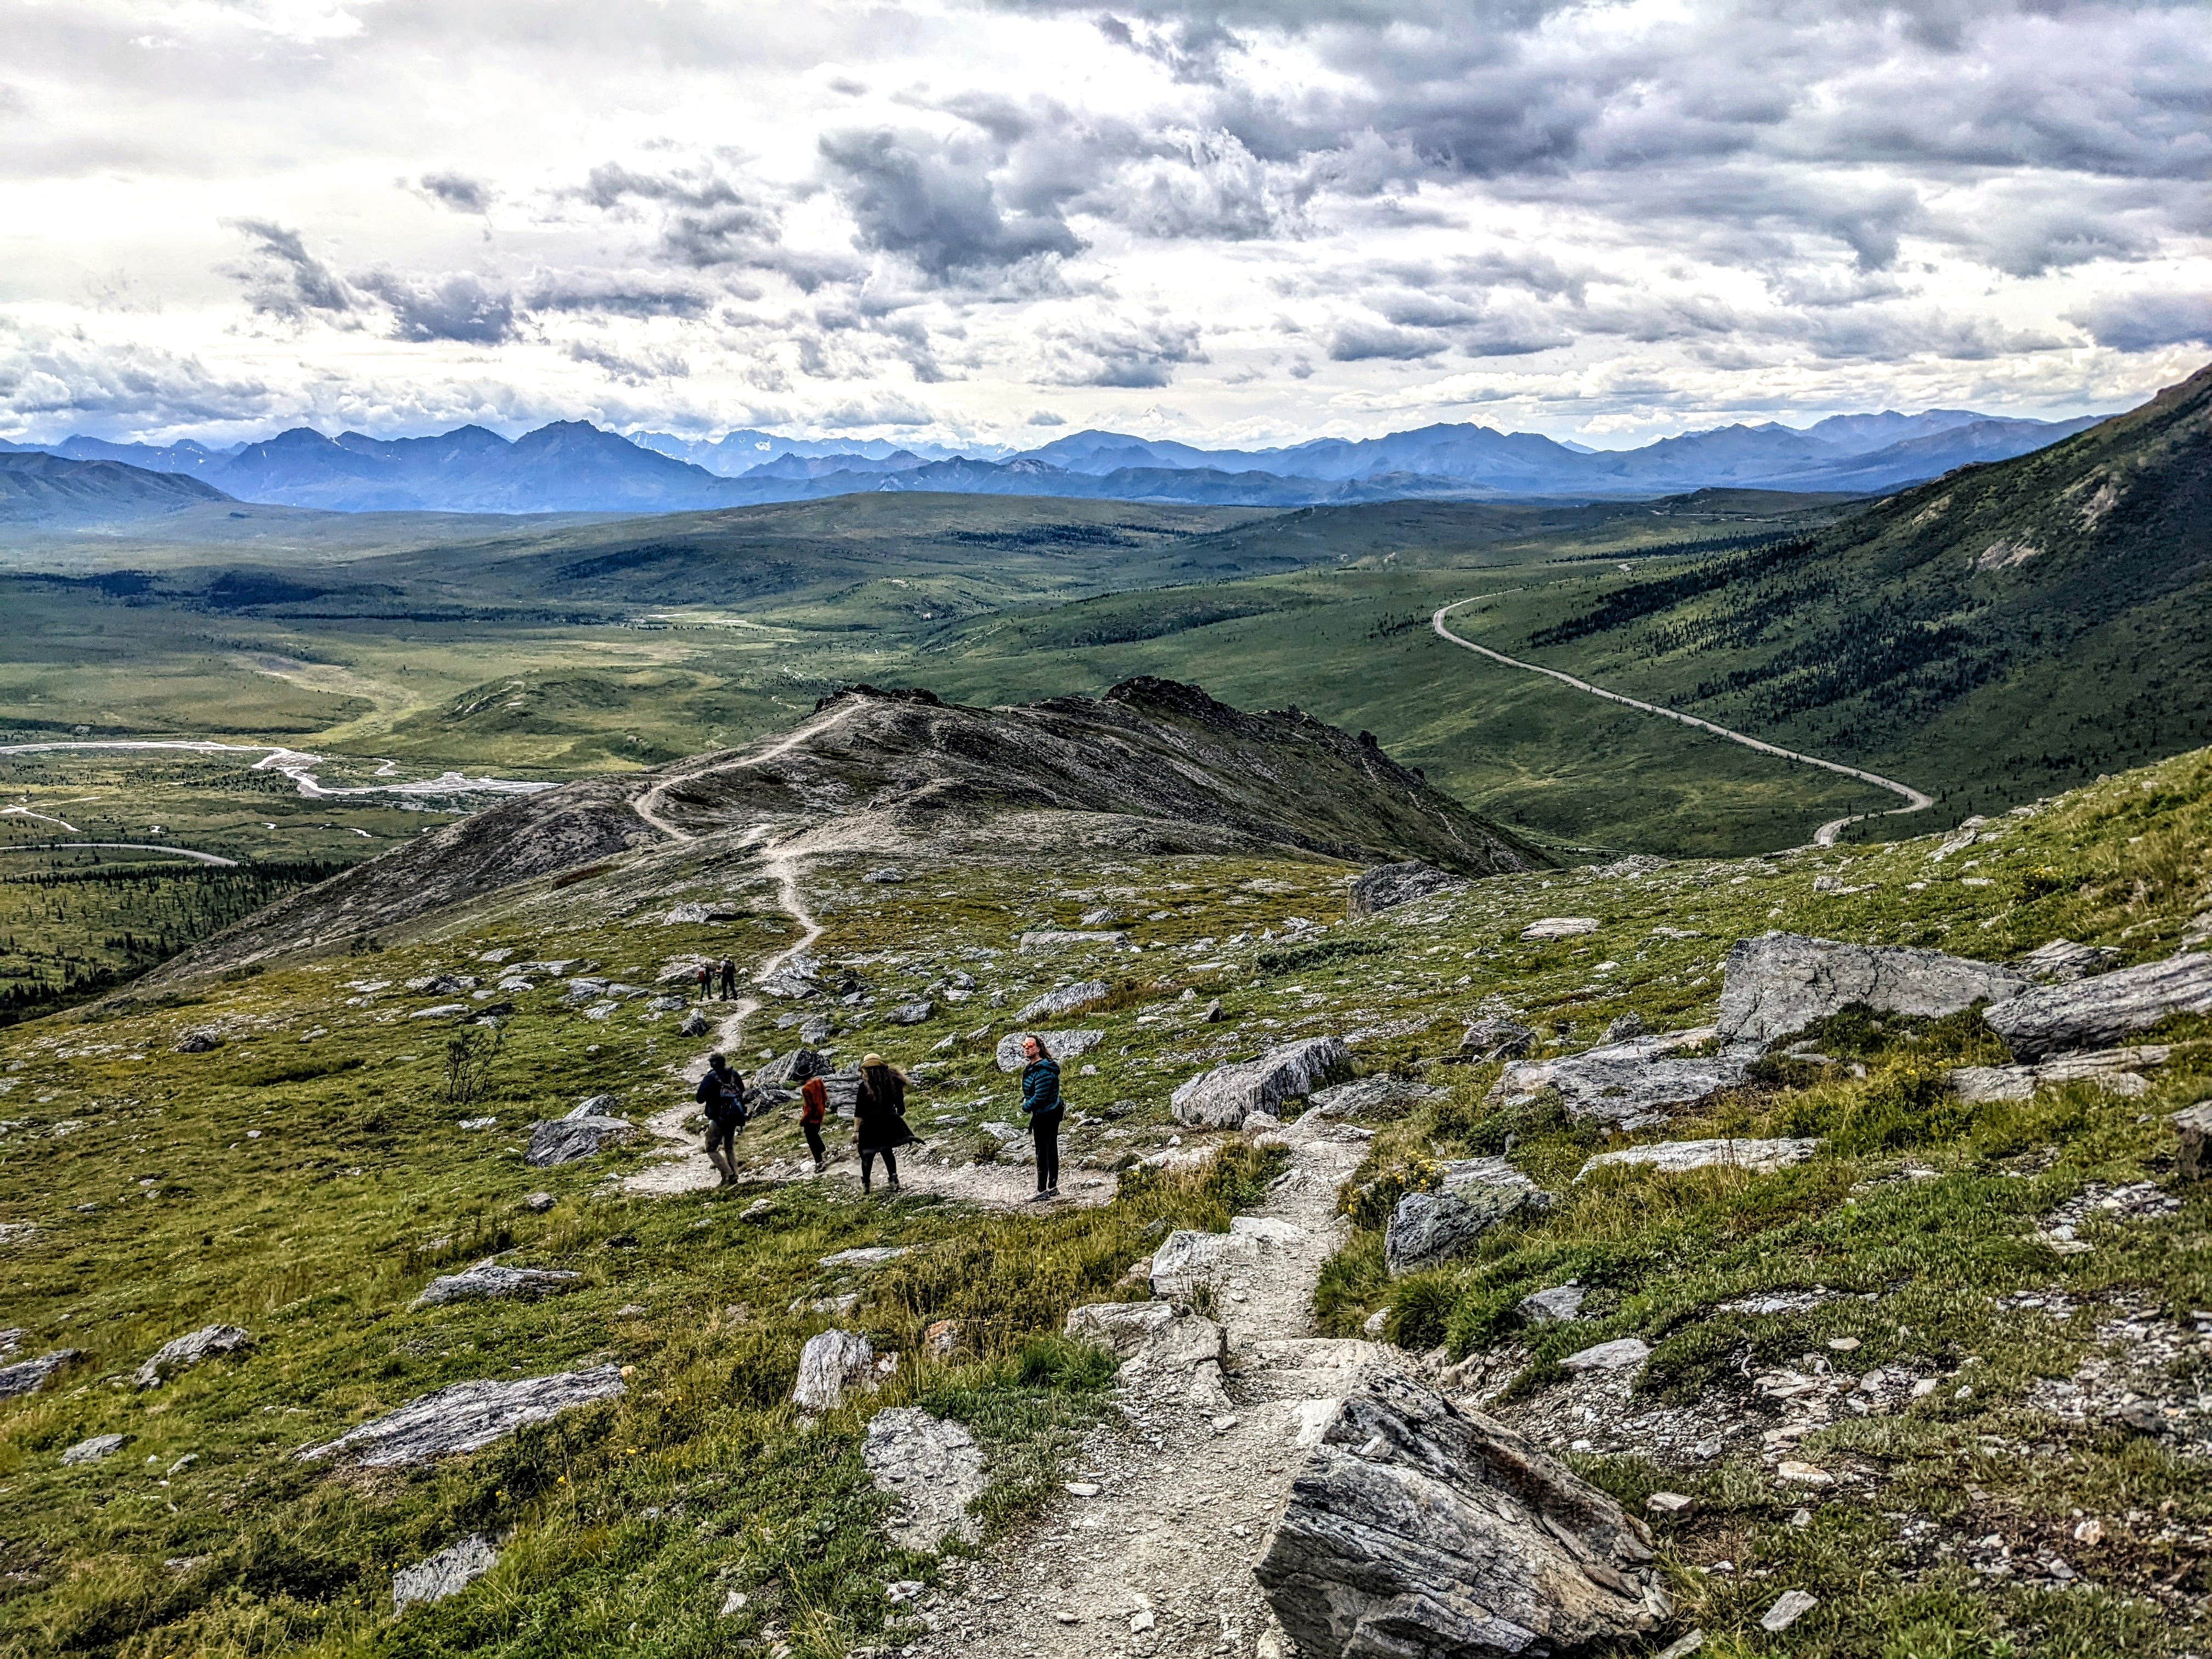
pixel 867 1061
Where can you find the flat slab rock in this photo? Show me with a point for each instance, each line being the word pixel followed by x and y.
pixel 1067 1000
pixel 932 1467
pixel 1560 928
pixel 448 1572
pixel 1414 1530
pixel 29 1375
pixel 488 1281
pixel 466 1417
pixel 1380 1096
pixel 1221 1098
pixel 1389 885
pixel 1631 1084
pixel 1062 1046
pixel 1677 1157
pixel 2116 1071
pixel 1779 983
pixel 185 1352
pixel 1186 1258
pixel 564 1140
pixel 92 1450
pixel 2094 1013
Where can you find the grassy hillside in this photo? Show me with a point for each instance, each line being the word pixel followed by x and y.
pixel 307 1177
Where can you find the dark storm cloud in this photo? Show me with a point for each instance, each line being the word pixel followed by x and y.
pixel 2144 322
pixel 934 202
pixel 457 190
pixel 617 293
pixel 1363 339
pixel 1140 354
pixel 282 279
pixel 706 219
pixel 460 305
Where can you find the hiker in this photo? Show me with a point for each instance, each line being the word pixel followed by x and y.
pixel 879 1120
pixel 729 980
pixel 706 982
pixel 722 1095
pixel 814 1108
pixel 1040 1100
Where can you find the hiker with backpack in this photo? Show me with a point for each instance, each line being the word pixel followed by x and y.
pixel 813 1108
pixel 1041 1101
pixel 729 980
pixel 879 1125
pixel 721 1096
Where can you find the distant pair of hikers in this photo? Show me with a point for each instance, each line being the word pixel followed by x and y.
pixel 728 971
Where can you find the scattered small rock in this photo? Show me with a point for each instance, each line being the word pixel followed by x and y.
pixel 1621 1354
pixel 189 1350
pixel 488 1281
pixel 1791 1606
pixel 92 1451
pixel 833 1363
pixel 448 1572
pixel 1560 928
pixel 1389 885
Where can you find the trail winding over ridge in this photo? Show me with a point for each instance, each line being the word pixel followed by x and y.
pixel 1916 800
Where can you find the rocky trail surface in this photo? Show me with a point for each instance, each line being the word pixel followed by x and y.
pixel 1152 1550
pixel 1914 800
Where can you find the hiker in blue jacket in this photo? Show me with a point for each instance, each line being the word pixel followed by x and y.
pixel 1040 1100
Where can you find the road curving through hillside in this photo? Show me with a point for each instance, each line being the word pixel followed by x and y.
pixel 1914 800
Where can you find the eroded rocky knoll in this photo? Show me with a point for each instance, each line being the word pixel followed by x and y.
pixel 1161 761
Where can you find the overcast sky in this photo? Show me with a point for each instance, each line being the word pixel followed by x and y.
pixel 1254 221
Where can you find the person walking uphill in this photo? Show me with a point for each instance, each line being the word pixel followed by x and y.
pixel 814 1108
pixel 879 1120
pixel 1040 1100
pixel 721 1096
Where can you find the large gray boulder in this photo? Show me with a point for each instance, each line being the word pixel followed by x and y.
pixel 1067 1000
pixel 832 1365
pixel 1414 1530
pixel 29 1375
pixel 2092 1013
pixel 1062 1046
pixel 789 1071
pixel 448 1572
pixel 189 1350
pixel 1779 983
pixel 1219 1099
pixel 92 1450
pixel 931 1468
pixel 1149 1337
pixel 1380 1096
pixel 564 1140
pixel 466 1417
pixel 1479 1194
pixel 1680 1156
pixel 2115 1071
pixel 1389 885
pixel 1187 1258
pixel 488 1281
pixel 1630 1085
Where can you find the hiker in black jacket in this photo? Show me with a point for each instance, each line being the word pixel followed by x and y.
pixel 721 1096
pixel 1040 1100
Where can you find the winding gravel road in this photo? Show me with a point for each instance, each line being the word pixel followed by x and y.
pixel 1914 800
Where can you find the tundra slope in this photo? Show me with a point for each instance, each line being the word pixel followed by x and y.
pixel 1152 766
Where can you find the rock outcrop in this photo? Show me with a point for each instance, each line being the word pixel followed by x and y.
pixel 1631 1085
pixel 564 1140
pixel 932 1467
pixel 1149 1337
pixel 1389 885
pixel 448 1572
pixel 1496 1037
pixel 1062 1046
pixel 189 1350
pixel 92 1450
pixel 1186 1258
pixel 2062 961
pixel 1417 1531
pixel 2092 1013
pixel 1779 983
pixel 832 1365
pixel 788 1071
pixel 466 1417
pixel 1067 1000
pixel 1427 1229
pixel 2194 1126
pixel 2116 1071
pixel 1220 1099
pixel 488 1281
pixel 1552 928
pixel 1677 1157
pixel 1380 1096
pixel 29 1375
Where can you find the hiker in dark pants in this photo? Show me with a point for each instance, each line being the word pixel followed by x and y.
pixel 706 982
pixel 1040 1100
pixel 729 980
pixel 879 1120
pixel 814 1108
pixel 722 1096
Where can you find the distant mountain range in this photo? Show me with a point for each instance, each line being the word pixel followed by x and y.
pixel 571 466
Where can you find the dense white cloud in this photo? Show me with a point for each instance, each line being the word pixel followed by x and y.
pixel 1607 220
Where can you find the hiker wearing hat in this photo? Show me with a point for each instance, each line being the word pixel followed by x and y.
pixel 879 1120
pixel 1041 1101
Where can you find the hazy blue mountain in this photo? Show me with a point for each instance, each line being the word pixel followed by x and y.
pixel 735 453
pixel 52 491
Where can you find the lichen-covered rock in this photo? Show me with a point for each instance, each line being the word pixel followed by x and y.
pixel 1414 1530
pixel 1219 1099
pixel 1560 1305
pixel 466 1417
pixel 1062 1046
pixel 448 1572
pixel 189 1350
pixel 488 1281
pixel 1067 1000
pixel 564 1140
pixel 1779 983
pixel 789 1071
pixel 1389 885
pixel 1149 1336
pixel 832 1365
pixel 1678 1157
pixel 1063 938
pixel 934 1469
pixel 2092 1013
pixel 1479 1194
pixel 912 1013
pixel 1628 1084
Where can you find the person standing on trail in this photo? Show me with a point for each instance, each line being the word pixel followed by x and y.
pixel 722 1096
pixel 1040 1100
pixel 879 1120
pixel 729 980
pixel 814 1108
pixel 706 982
